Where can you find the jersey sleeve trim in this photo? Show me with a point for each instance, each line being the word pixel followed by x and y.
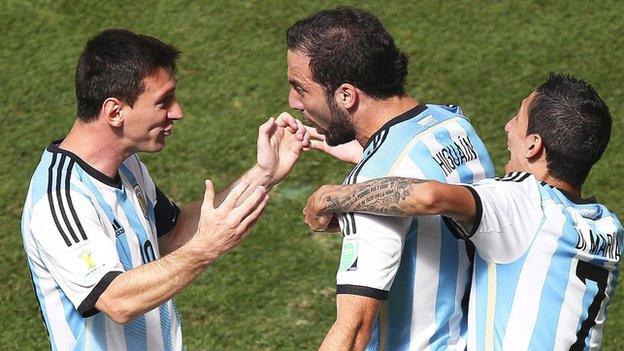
pixel 87 307
pixel 456 229
pixel 166 213
pixel 362 291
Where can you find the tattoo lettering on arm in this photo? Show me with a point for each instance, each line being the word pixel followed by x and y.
pixel 381 196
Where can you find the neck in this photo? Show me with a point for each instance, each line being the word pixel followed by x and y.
pixel 377 113
pixel 95 144
pixel 571 190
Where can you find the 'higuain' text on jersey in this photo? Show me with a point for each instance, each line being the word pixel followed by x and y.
pixel 415 264
pixel 545 269
pixel 81 229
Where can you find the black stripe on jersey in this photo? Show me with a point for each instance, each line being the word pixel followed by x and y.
pixel 59 174
pixel 51 201
pixel 87 307
pixel 362 291
pixel 515 177
pixel 509 177
pixel 69 200
pixel 525 176
pixel 349 218
pixel 456 229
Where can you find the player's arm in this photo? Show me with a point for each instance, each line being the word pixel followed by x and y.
pixel 392 196
pixel 220 228
pixel 353 325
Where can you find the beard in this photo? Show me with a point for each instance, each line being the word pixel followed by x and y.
pixel 339 130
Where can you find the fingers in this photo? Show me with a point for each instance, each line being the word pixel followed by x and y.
pixel 248 205
pixel 209 194
pixel 286 120
pixel 267 127
pixel 232 198
pixel 301 131
pixel 314 134
pixel 305 143
pixel 253 217
pixel 318 145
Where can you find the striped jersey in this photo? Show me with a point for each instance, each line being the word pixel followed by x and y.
pixel 414 264
pixel 545 270
pixel 80 230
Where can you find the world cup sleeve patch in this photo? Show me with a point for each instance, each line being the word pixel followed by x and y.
pixel 349 256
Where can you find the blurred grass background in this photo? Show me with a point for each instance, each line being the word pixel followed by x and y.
pixel 276 291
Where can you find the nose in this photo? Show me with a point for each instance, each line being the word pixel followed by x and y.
pixel 293 100
pixel 175 111
pixel 508 125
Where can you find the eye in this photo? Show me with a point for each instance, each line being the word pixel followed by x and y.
pixel 165 101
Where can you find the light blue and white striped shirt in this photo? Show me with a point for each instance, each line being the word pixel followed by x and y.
pixel 81 229
pixel 415 264
pixel 545 269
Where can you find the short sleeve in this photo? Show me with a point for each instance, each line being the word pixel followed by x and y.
pixel 74 246
pixel 508 218
pixel 166 213
pixel 371 253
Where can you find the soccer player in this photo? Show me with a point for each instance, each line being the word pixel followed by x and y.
pixel 401 281
pixel 547 259
pixel 106 249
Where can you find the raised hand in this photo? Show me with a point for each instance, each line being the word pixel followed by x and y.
pixel 350 152
pixel 280 145
pixel 223 227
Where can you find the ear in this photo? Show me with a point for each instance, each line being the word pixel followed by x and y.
pixel 534 145
pixel 111 110
pixel 346 96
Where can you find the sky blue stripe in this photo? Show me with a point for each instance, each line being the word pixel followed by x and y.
pixel 481 286
pixel 443 137
pixel 135 333
pixel 133 219
pixel 447 288
pixel 553 291
pixel 373 343
pixel 96 339
pixel 39 187
pixel 121 243
pixel 130 176
pixel 73 318
pixel 165 325
pixel 507 277
pixel 42 304
pixel 401 295
pixel 480 148
pixel 421 156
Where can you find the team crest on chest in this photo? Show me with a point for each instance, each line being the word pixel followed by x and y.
pixel 141 198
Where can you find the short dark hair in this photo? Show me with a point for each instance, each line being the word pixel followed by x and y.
pixel 574 124
pixel 347 45
pixel 114 64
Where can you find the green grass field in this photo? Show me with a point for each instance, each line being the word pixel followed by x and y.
pixel 276 291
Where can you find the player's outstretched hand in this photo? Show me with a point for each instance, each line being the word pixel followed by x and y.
pixel 279 146
pixel 223 227
pixel 350 152
pixel 314 212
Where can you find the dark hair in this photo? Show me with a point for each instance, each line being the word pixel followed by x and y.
pixel 347 45
pixel 574 124
pixel 114 64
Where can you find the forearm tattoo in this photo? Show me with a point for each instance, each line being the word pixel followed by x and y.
pixel 386 196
